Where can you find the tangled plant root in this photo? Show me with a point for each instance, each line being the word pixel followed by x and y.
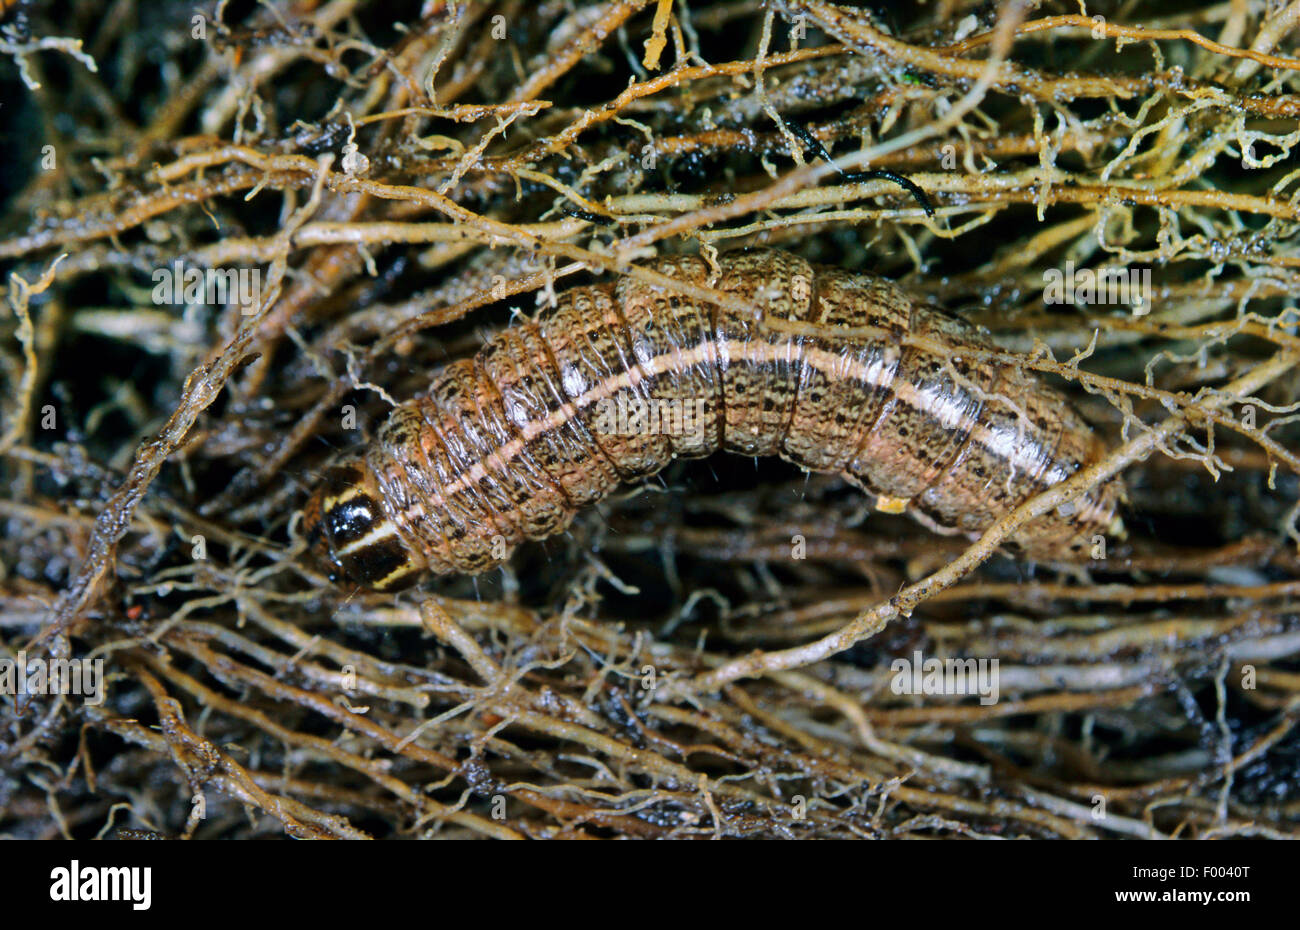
pixel 716 654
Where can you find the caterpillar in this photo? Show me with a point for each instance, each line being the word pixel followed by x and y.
pixel 617 379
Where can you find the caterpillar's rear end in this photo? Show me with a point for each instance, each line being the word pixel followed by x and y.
pixel 510 444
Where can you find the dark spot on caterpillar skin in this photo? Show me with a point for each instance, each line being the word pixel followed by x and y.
pixel 351 520
pixel 510 444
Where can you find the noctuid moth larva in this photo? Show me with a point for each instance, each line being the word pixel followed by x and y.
pixel 619 378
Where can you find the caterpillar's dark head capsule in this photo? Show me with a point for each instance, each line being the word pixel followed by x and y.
pixel 350 536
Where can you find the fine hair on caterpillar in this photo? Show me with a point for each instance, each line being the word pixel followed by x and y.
pixel 619 378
